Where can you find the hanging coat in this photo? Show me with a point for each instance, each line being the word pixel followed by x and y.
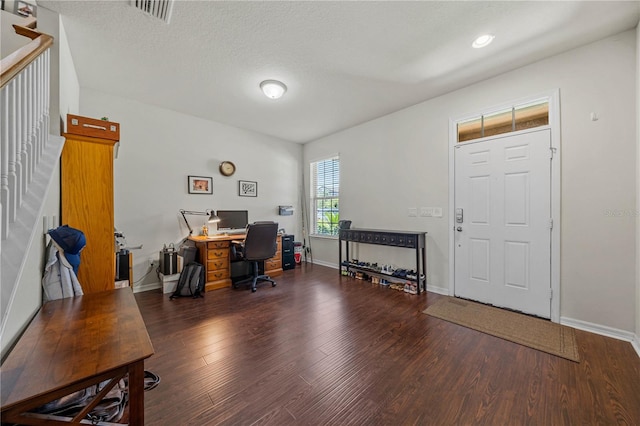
pixel 59 280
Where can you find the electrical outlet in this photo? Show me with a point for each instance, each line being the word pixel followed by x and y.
pixel 437 212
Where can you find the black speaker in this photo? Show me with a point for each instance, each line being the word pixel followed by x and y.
pixel 122 266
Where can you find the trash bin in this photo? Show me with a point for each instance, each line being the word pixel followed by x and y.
pixel 297 251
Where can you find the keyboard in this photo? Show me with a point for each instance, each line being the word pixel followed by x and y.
pixel 233 231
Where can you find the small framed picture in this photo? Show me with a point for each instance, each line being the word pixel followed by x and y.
pixel 246 188
pixel 200 185
pixel 24 8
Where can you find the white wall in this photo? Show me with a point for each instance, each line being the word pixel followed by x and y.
pixel 10 41
pixel 159 148
pixel 401 161
pixel 637 338
pixel 69 86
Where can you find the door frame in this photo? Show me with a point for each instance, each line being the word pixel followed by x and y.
pixel 553 97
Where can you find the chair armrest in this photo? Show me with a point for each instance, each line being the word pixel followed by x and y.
pixel 236 250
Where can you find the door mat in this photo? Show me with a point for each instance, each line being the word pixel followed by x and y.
pixel 519 328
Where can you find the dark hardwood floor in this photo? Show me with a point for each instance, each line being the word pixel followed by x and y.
pixel 319 349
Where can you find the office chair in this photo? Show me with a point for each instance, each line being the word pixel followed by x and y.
pixel 259 245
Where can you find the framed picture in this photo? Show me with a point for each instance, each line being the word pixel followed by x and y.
pixel 200 185
pixel 25 9
pixel 247 188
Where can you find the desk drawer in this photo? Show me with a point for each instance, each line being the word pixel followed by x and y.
pixel 277 256
pixel 272 264
pixel 217 244
pixel 219 274
pixel 218 253
pixel 216 264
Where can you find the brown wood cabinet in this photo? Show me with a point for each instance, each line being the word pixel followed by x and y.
pixel 87 204
pixel 213 253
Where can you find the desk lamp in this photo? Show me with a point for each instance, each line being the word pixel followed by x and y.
pixel 212 217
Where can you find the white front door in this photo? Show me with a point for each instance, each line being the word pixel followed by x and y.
pixel 503 222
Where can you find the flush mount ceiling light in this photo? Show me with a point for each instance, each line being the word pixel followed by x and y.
pixel 483 41
pixel 273 89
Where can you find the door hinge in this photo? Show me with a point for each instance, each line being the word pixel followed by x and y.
pixel 550 294
pixel 550 223
pixel 552 151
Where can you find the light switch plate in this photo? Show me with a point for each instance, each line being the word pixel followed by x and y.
pixel 437 212
pixel 426 211
pixel 412 211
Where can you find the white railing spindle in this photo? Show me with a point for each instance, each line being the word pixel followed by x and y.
pixel 4 163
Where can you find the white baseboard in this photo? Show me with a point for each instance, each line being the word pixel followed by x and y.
pixel 327 264
pixel 438 290
pixel 147 287
pixel 603 330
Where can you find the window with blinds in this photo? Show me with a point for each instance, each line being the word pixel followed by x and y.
pixel 325 196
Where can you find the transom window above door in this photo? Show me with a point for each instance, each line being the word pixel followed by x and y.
pixel 513 119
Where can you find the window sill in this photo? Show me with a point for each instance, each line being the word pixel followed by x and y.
pixel 324 237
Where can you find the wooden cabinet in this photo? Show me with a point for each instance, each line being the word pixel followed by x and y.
pixel 86 185
pixel 214 252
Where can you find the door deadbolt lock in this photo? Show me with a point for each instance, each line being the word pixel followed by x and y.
pixel 459 229
pixel 459 216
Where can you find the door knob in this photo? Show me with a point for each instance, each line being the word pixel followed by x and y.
pixel 459 229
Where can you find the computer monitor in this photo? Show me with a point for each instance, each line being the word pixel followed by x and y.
pixel 233 219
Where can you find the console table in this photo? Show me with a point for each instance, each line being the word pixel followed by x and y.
pixel 72 344
pixel 405 239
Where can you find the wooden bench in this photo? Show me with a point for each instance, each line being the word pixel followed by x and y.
pixel 70 345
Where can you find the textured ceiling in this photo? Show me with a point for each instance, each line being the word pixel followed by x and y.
pixel 344 62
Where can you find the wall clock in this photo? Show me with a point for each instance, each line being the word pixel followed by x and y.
pixel 227 168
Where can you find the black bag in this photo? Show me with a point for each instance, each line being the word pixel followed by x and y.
pixel 191 281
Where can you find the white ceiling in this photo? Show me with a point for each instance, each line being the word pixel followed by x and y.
pixel 344 62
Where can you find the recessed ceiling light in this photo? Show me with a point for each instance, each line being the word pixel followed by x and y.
pixel 483 41
pixel 273 89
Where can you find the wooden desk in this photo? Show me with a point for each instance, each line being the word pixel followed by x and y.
pixel 72 344
pixel 213 252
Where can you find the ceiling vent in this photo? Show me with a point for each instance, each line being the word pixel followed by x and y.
pixel 160 9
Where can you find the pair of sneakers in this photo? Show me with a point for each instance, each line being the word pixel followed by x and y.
pixel 411 288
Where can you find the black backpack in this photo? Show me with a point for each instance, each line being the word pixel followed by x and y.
pixel 191 281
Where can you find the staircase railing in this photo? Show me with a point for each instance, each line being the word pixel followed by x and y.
pixel 28 154
pixel 24 83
